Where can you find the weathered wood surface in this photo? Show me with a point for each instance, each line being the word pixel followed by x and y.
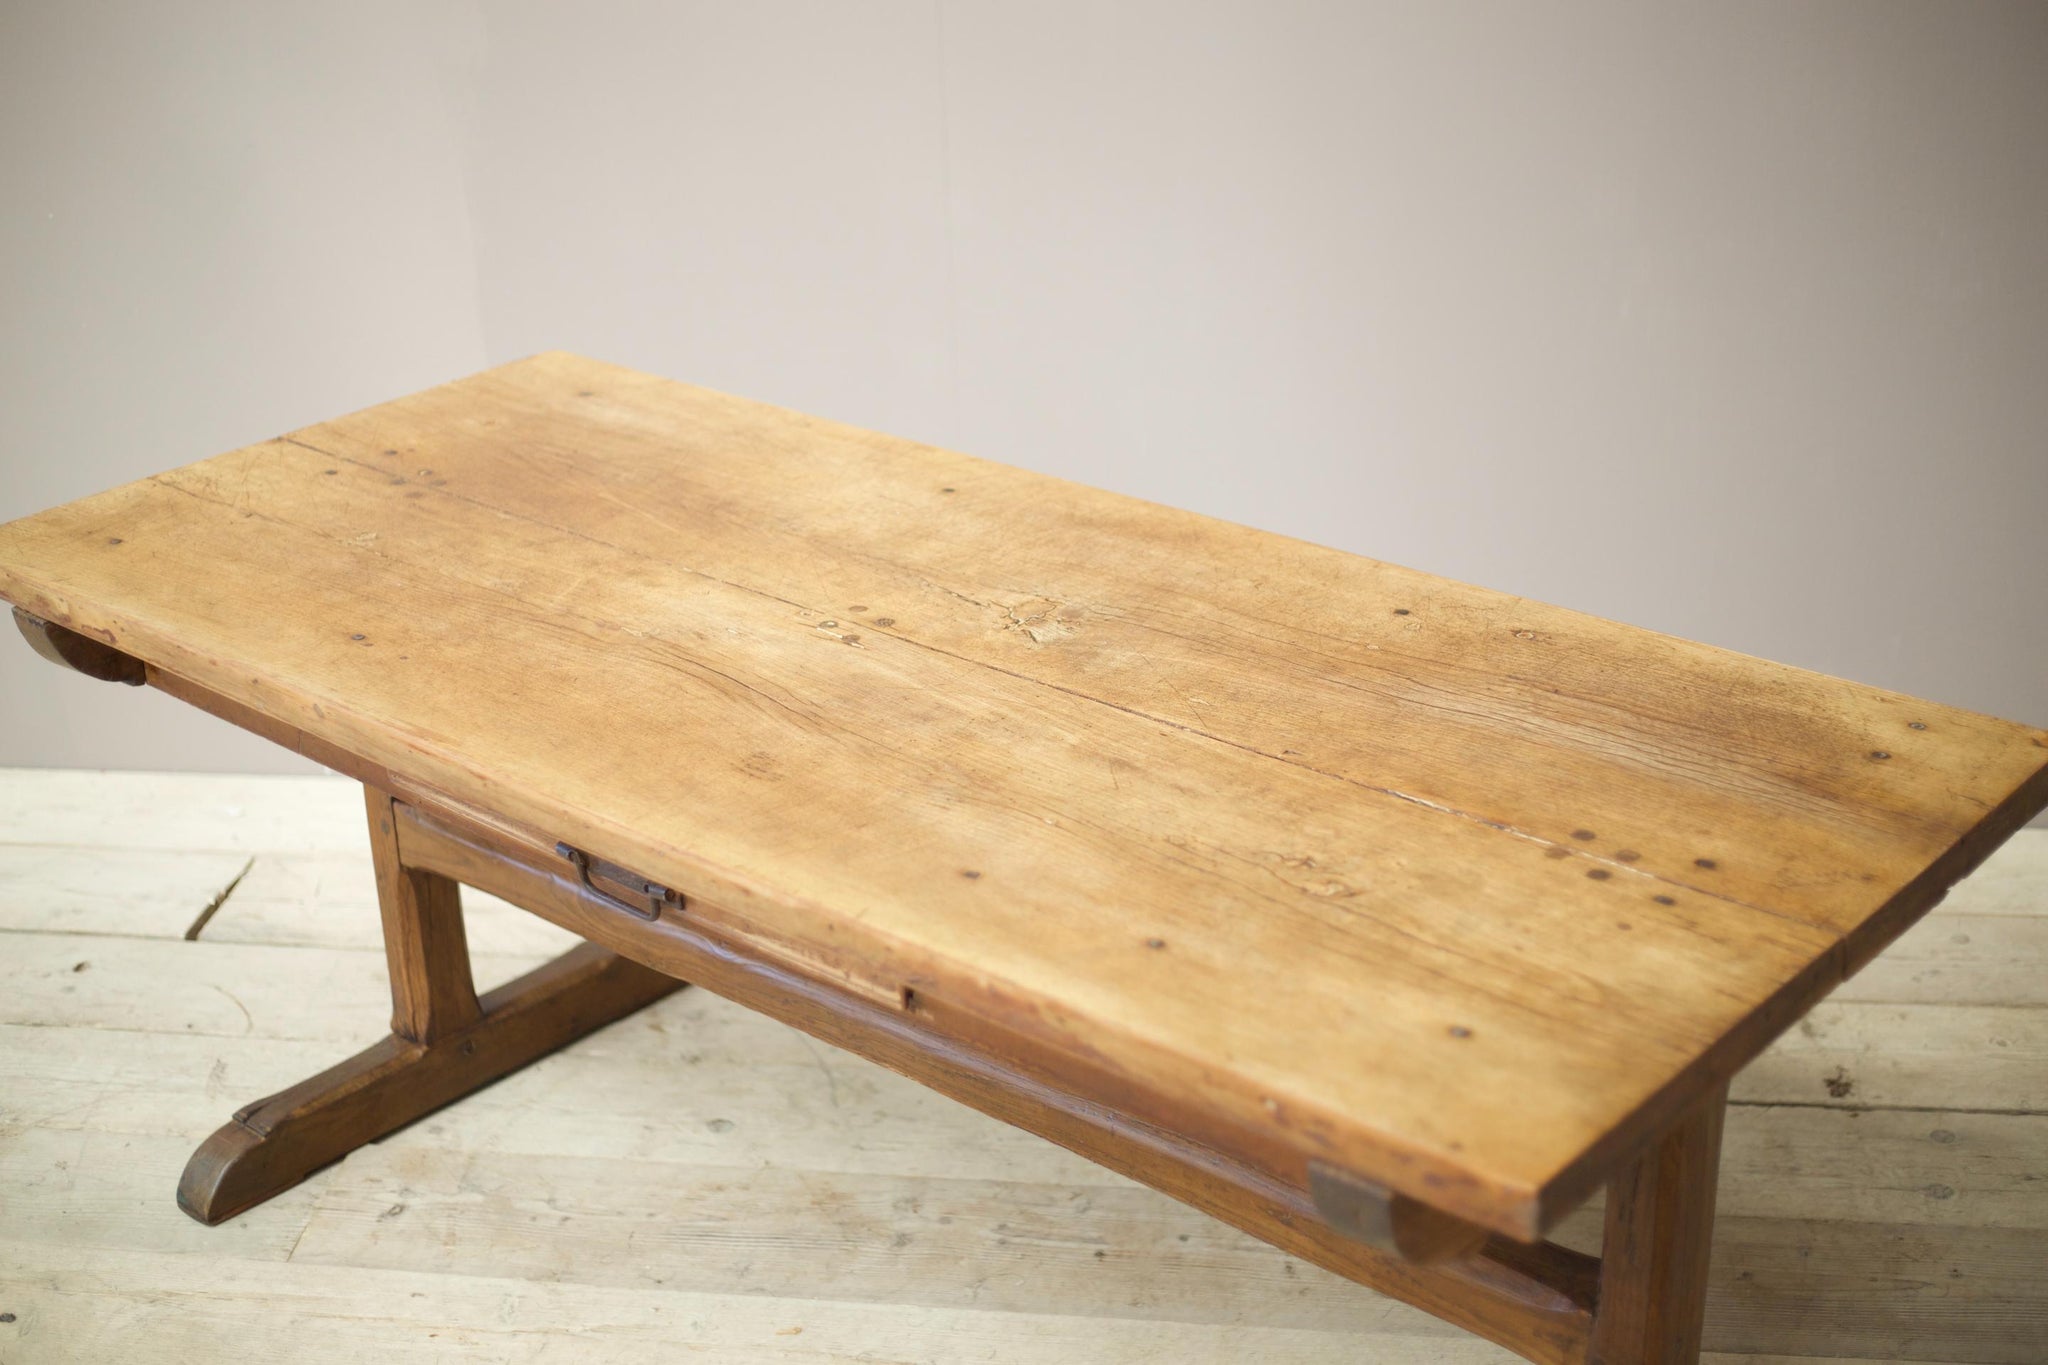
pixel 1913 1225
pixel 1535 1299
pixel 920 721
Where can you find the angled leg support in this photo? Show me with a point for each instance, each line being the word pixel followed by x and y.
pixel 444 1041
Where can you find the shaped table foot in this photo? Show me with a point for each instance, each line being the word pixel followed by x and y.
pixel 445 1042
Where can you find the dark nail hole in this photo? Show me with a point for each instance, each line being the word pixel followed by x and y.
pixel 945 490
pixel 1402 611
pixel 909 999
pixel 1155 943
pixel 1460 1031
pixel 1879 754
pixel 1599 874
pixel 1708 863
pixel 358 637
pixel 390 452
pixel 330 471
pixel 113 540
pixel 1916 725
pixel 971 874
pixel 1582 835
pixel 1664 900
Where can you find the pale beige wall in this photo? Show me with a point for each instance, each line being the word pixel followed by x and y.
pixel 1729 320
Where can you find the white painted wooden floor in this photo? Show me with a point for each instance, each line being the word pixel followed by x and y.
pixel 698 1183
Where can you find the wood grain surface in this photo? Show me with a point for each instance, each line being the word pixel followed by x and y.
pixel 698 1182
pixel 1465 893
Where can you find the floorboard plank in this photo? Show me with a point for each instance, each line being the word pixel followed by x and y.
pixel 237 812
pixel 142 892
pixel 718 1087
pixel 82 1188
pixel 72 1304
pixel 1985 1058
pixel 1958 957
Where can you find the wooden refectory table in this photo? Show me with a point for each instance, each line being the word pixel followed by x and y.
pixel 1384 917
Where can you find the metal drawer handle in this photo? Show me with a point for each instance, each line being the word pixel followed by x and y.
pixel 650 896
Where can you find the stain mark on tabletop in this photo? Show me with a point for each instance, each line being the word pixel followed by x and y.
pixel 1039 620
pixel 1840 1085
pixel 1557 851
pixel 885 621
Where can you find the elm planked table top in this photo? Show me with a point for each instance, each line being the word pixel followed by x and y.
pixel 1466 893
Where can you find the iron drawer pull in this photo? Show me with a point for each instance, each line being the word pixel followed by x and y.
pixel 655 894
